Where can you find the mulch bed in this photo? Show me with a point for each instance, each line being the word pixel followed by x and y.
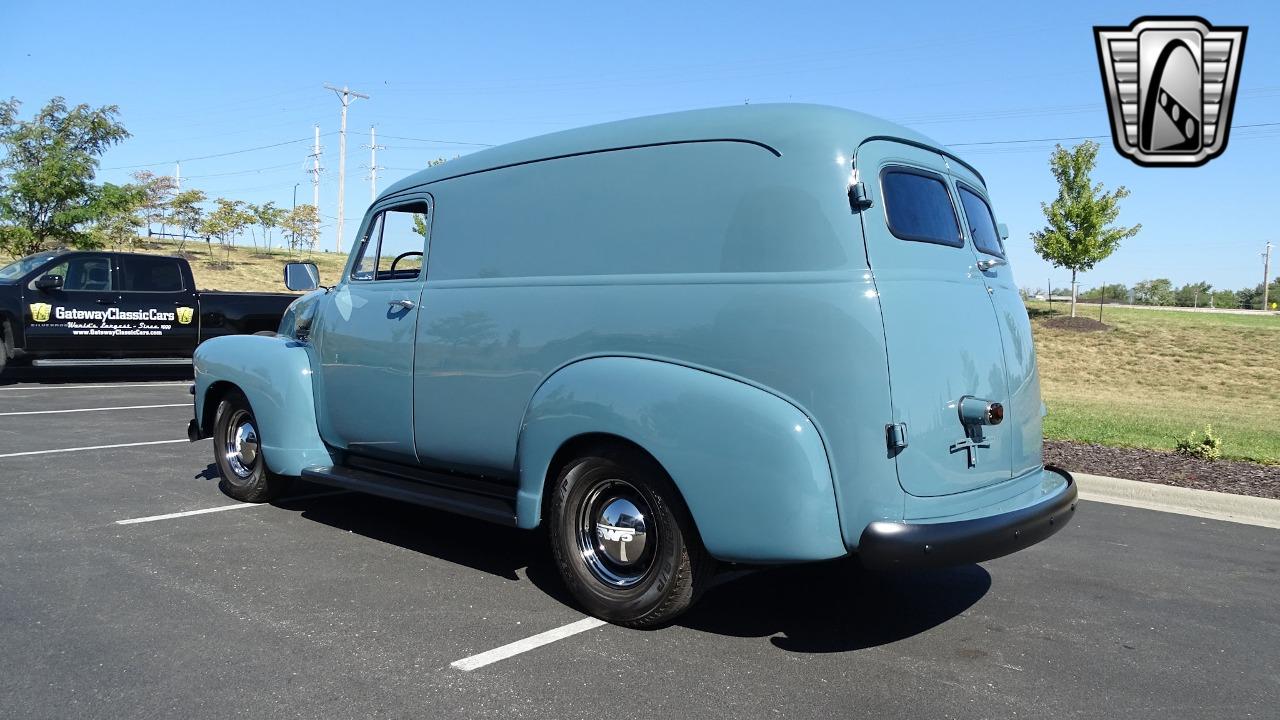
pixel 1166 468
pixel 1077 324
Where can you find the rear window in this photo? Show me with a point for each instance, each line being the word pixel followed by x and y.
pixel 918 207
pixel 982 226
pixel 150 274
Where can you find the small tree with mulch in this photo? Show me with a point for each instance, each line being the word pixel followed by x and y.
pixel 1080 232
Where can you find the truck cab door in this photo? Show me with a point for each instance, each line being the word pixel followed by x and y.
pixel 161 311
pixel 365 333
pixel 73 319
pixel 941 332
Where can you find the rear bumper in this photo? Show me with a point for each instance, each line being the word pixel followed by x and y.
pixel 937 544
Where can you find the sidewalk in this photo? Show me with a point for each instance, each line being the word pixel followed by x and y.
pixel 1185 501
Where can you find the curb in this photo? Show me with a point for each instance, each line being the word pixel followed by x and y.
pixel 1244 509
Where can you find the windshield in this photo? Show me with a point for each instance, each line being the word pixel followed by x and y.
pixel 22 266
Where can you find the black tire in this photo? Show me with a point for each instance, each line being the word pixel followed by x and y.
pixel 237 452
pixel 672 568
pixel 4 351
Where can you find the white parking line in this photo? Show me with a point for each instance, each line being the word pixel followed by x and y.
pixel 220 508
pixel 87 387
pixel 98 409
pixel 502 653
pixel 92 447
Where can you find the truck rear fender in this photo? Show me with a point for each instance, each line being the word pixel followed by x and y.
pixel 750 466
pixel 274 373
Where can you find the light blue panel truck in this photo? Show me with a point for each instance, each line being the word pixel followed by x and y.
pixel 759 334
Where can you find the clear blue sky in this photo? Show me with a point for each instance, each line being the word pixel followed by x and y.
pixel 196 79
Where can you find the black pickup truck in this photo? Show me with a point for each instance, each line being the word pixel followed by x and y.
pixel 104 308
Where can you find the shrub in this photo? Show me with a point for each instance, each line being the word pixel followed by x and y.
pixel 1206 447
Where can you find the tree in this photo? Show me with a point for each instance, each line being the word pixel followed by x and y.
pixel 1153 292
pixel 1112 293
pixel 1250 298
pixel 1192 294
pixel 158 192
pixel 1225 299
pixel 302 224
pixel 1080 233
pixel 47 193
pixel 227 220
pixel 268 217
pixel 119 219
pixel 186 213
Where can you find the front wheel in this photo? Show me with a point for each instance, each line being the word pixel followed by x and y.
pixel 237 449
pixel 623 541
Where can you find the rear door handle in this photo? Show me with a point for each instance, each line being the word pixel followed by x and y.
pixel 406 304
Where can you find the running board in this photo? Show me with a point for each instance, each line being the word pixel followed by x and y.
pixel 480 506
pixel 103 362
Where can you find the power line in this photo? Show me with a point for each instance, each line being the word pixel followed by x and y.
pixel 1082 137
pixel 438 142
pixel 215 155
pixel 243 172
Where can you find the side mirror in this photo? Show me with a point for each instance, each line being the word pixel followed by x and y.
pixel 49 282
pixel 1003 230
pixel 301 276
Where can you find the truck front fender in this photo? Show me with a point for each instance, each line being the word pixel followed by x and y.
pixel 274 373
pixel 750 466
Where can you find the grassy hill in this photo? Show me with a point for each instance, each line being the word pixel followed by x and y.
pixel 244 269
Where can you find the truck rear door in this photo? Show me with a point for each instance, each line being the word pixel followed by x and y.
pixel 941 330
pixel 1022 410
pixel 155 306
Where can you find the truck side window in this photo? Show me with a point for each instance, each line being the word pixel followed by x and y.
pixel 982 226
pixel 150 274
pixel 918 207
pixel 394 247
pixel 88 274
pixel 367 260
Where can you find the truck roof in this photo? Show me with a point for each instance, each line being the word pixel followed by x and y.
pixel 782 127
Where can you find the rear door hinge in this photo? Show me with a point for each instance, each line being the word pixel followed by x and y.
pixel 896 437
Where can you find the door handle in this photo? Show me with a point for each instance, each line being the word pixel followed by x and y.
pixel 107 301
pixel 987 264
pixel 406 304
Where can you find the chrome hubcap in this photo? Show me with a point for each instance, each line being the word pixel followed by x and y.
pixel 241 446
pixel 613 533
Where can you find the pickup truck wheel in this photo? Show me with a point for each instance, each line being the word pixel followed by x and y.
pixel 624 542
pixel 4 352
pixel 237 449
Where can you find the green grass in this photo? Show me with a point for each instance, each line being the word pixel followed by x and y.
pixel 1159 375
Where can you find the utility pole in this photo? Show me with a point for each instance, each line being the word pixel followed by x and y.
pixel 1266 273
pixel 177 175
pixel 374 147
pixel 315 173
pixel 344 94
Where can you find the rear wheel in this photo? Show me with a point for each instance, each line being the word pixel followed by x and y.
pixel 623 541
pixel 237 449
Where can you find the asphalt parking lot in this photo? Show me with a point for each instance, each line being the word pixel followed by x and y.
pixel 340 605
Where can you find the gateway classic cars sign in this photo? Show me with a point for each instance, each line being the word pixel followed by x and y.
pixel 111 321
